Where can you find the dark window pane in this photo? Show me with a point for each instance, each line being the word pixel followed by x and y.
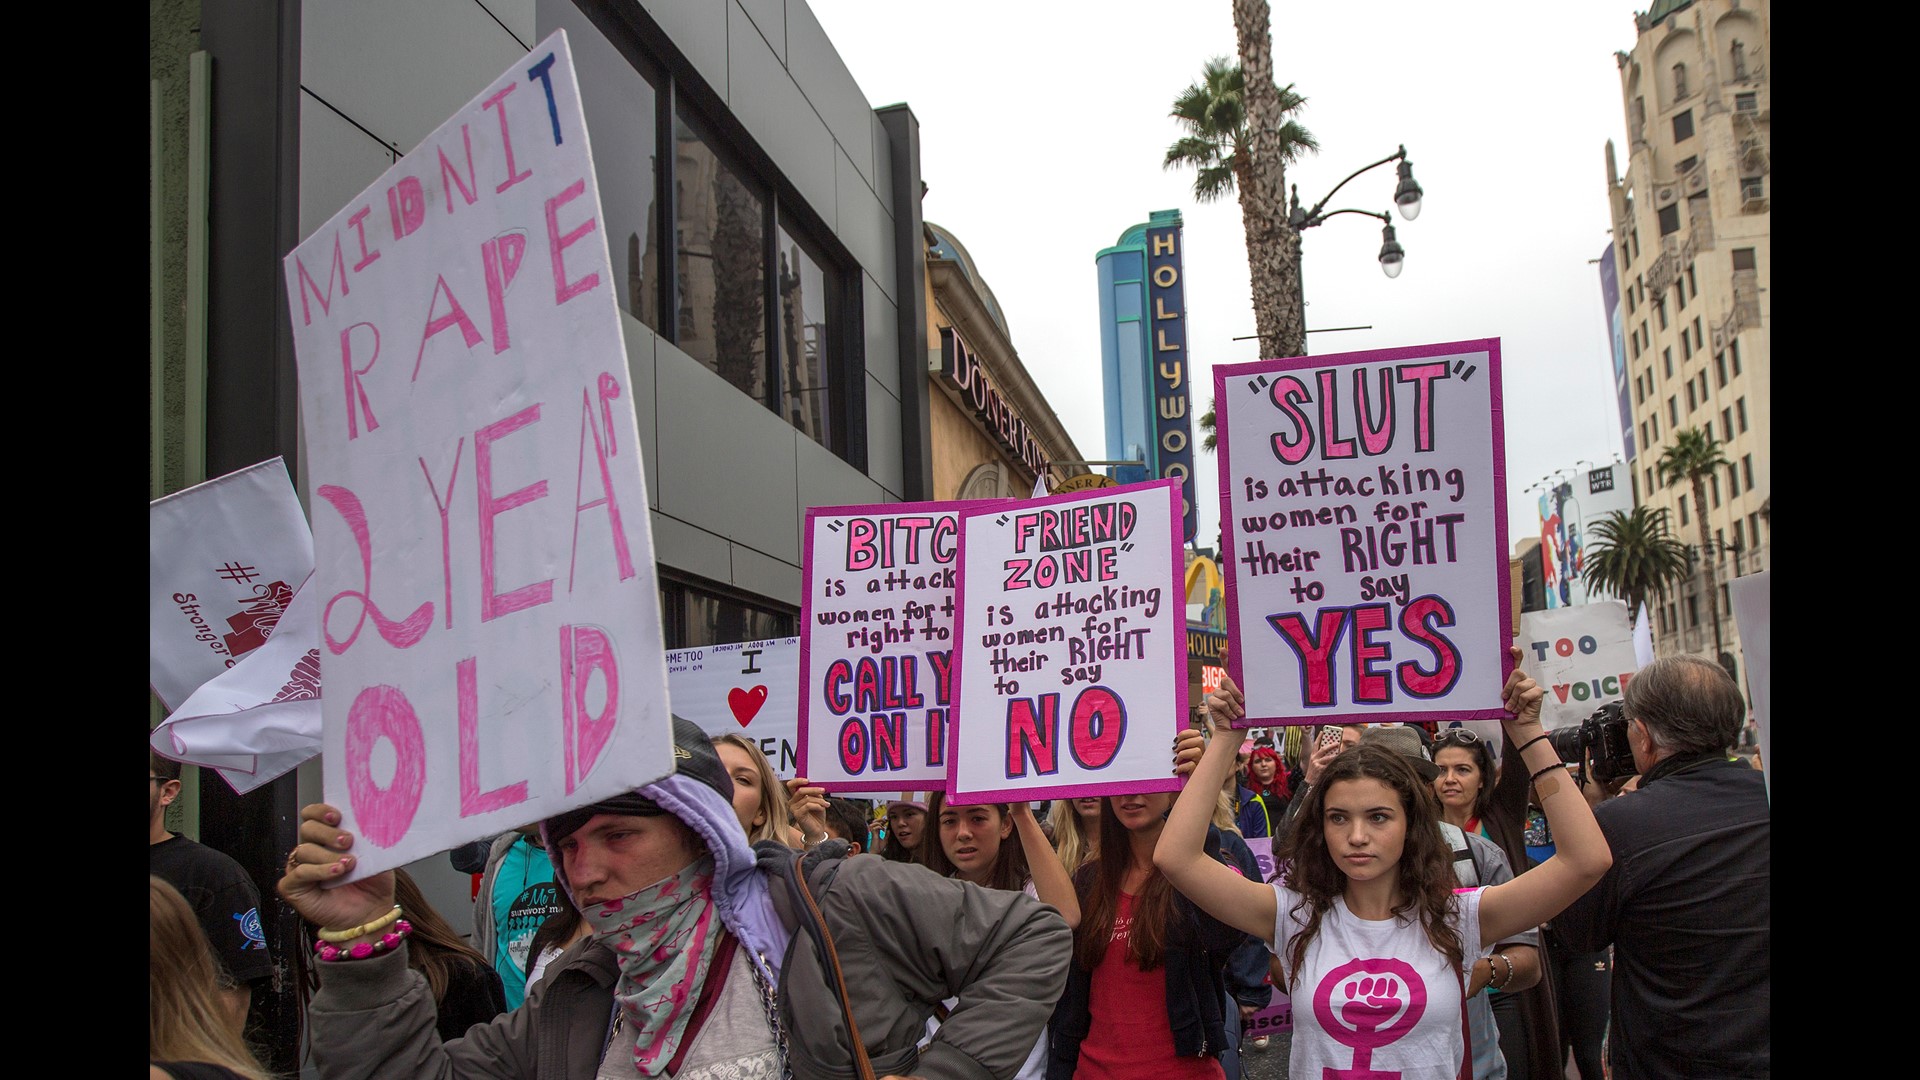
pixel 620 106
pixel 1743 259
pixel 717 620
pixel 1683 126
pixel 1670 220
pixel 721 253
pixel 809 297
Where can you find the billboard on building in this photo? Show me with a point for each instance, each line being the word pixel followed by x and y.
pixel 1568 508
pixel 1617 341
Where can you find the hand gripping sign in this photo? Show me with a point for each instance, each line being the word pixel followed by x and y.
pixel 489 624
pixel 1070 671
pixel 1364 534
pixel 876 643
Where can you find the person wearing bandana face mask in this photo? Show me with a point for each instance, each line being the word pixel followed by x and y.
pixel 705 959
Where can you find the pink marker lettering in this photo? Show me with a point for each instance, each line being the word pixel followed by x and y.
pixel 498 103
pixel 557 244
pixel 1376 437
pixel 1423 375
pixel 448 172
pixel 407 204
pixel 583 651
pixel 601 451
pixel 358 221
pixel 1315 649
pixel 353 375
pixel 446 535
pixel 456 316
pixel 501 256
pixel 1286 395
pixel 384 813
pixel 472 799
pixel 493 605
pixel 400 635
pixel 1332 445
pixel 336 269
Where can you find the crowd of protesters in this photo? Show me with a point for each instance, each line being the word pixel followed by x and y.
pixel 721 924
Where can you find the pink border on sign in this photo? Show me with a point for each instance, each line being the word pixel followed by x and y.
pixel 1177 652
pixel 955 507
pixel 1497 416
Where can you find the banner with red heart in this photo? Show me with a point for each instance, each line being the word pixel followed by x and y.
pixel 749 688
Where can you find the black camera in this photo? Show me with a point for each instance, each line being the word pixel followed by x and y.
pixel 1604 736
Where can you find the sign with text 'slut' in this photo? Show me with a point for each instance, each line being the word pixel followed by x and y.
pixel 1364 534
pixel 490 619
pixel 1070 668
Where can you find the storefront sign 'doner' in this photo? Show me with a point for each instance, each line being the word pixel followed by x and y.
pixel 962 370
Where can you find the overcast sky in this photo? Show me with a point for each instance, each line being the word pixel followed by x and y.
pixel 1043 124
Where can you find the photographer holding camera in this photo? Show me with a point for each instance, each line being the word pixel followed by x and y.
pixel 1686 903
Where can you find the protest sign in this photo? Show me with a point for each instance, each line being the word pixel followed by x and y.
pixel 1583 656
pixel 259 718
pixel 489 615
pixel 1752 598
pixel 749 688
pixel 1364 524
pixel 876 643
pixel 1070 656
pixel 1278 1014
pixel 224 559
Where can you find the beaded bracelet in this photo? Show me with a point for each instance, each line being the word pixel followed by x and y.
pixel 360 950
pixel 373 927
pixel 1536 776
pixel 1491 957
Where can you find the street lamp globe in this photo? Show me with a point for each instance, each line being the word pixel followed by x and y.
pixel 1407 194
pixel 1392 256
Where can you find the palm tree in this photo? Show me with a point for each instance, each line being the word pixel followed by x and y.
pixel 1693 455
pixel 1631 555
pixel 1273 248
pixel 1209 424
pixel 1213 111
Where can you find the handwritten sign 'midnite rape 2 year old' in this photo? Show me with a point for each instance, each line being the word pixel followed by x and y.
pixel 491 623
pixel 1364 527
pixel 1070 672
pixel 876 644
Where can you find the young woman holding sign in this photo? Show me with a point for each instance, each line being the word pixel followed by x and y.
pixel 976 843
pixel 1370 932
pixel 1146 993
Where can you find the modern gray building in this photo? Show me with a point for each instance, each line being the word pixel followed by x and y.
pixel 765 230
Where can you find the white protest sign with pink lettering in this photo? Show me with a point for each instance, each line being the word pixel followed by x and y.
pixel 876 641
pixel 1070 668
pixel 224 559
pixel 747 688
pixel 489 616
pixel 1363 520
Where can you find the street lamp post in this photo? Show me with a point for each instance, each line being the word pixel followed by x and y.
pixel 1406 196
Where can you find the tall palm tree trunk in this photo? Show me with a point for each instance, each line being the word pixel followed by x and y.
pixel 1273 248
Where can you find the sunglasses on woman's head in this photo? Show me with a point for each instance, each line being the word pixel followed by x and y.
pixel 1459 735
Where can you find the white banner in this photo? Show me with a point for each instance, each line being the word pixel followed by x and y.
pixel 224 559
pixel 1070 656
pixel 261 717
pixel 1582 655
pixel 1752 598
pixel 746 688
pixel 489 615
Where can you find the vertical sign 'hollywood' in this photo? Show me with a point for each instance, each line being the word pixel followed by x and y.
pixel 1363 520
pixel 1172 428
pixel 489 619
pixel 1070 670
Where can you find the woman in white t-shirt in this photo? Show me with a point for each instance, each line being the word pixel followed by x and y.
pixel 1372 935
pixel 975 842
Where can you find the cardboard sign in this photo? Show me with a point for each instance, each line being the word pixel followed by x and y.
pixel 1364 528
pixel 1278 1015
pixel 224 559
pixel 749 688
pixel 489 616
pixel 1583 656
pixel 876 643
pixel 1070 663
pixel 1752 598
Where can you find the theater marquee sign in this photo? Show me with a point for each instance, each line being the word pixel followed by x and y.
pixel 967 379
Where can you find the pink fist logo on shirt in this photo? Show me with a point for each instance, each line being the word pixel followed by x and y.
pixel 1367 1004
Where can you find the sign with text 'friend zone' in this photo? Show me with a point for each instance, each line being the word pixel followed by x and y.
pixel 876 643
pixel 1364 534
pixel 1070 674
pixel 490 620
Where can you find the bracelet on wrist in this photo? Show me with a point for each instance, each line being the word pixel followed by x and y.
pixel 1536 776
pixel 374 926
pixel 360 950
pixel 1542 737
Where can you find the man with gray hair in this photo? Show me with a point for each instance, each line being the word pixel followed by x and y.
pixel 1686 903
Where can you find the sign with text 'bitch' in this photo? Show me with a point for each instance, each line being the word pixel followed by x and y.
pixel 876 644
pixel 490 618
pixel 1364 533
pixel 1070 672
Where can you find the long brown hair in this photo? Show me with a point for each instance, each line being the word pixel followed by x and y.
pixel 1009 867
pixel 187 1019
pixel 1098 883
pixel 1425 869
pixel 433 948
